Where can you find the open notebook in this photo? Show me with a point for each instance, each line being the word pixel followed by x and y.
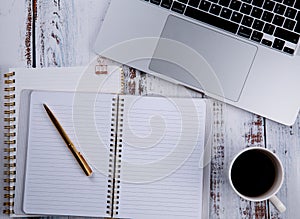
pixel 15 83
pixel 146 153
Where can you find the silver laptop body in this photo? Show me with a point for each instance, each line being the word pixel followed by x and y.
pixel 255 72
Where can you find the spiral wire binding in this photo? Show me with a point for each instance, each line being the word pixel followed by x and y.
pixel 115 157
pixel 10 142
pixel 112 149
pixel 118 156
pixel 122 81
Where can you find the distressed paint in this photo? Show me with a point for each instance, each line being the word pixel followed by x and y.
pixel 234 130
pixel 285 142
pixel 28 33
pixel 217 161
pixel 15 40
pixel 62 33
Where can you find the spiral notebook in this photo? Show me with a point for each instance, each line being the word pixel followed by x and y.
pixel 15 84
pixel 146 153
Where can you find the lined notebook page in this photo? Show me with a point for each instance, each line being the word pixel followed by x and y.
pixel 160 174
pixel 54 182
pixel 57 79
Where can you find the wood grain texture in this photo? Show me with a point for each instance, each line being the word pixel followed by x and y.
pixel 61 33
pixel 234 130
pixel 28 33
pixel 15 38
pixel 13 22
pixel 285 142
pixel 66 31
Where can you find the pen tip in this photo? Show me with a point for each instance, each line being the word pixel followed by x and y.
pixel 45 106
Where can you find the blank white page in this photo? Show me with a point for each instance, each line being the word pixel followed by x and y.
pixel 54 182
pixel 160 171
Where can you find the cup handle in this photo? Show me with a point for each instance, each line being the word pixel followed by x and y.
pixel 277 203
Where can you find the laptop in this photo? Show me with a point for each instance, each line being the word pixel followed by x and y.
pixel 243 52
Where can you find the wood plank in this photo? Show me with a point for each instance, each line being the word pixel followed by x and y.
pixel 233 130
pixel 15 17
pixel 63 31
pixel 285 142
pixel 15 38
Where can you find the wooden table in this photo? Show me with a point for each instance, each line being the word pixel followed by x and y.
pixel 61 33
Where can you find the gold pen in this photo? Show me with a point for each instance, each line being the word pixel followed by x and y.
pixel 80 159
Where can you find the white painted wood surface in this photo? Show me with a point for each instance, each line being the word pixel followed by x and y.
pixel 12 53
pixel 64 33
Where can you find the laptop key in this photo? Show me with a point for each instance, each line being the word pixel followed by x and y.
pixel 267 16
pixel 289 24
pixel 288 50
pixel 215 9
pixel 235 5
pixel 257 36
pixel 290 13
pixel 183 1
pixel 278 44
pixel 211 19
pixel 258 3
pixel 258 24
pixel 236 17
pixel 298 18
pixel 245 32
pixel 246 9
pixel 278 20
pixel 157 2
pixel 279 9
pixel 247 21
pixel 297 4
pixel 286 35
pixel 178 7
pixel 269 29
pixel 297 28
pixel 269 5
pixel 256 12
pixel 226 13
pixel 266 42
pixel 204 5
pixel 289 2
pixel 224 3
pixel 194 3
pixel 166 3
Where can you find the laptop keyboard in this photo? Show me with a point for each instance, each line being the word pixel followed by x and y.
pixel 275 24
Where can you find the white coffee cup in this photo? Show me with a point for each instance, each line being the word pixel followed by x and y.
pixel 257 160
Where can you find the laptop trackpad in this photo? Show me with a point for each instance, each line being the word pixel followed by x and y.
pixel 202 58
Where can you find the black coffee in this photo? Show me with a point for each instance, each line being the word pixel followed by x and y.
pixel 253 173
